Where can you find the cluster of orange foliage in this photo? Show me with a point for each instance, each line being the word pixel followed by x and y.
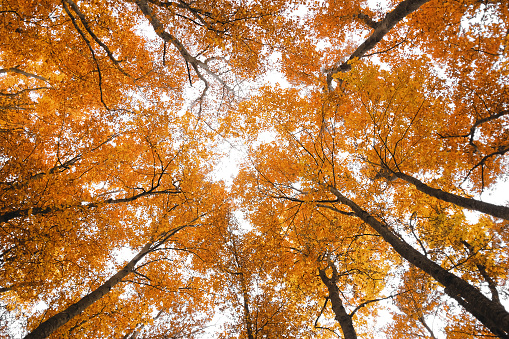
pixel 395 121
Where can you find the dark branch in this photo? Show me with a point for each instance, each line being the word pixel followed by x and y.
pixel 402 10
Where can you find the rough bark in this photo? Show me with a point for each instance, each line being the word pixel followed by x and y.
pixel 469 203
pixel 5 217
pixel 341 316
pixel 491 314
pixel 61 318
pixel 159 29
pixel 402 10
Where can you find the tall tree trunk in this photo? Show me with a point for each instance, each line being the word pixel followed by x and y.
pixel 469 203
pixel 342 317
pixel 61 318
pixel 491 314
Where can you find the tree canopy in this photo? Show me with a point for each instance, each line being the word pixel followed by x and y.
pixel 360 206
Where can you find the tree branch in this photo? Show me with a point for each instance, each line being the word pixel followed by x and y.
pixel 402 10
pixel 27 74
pixel 482 270
pixel 84 21
pixel 469 203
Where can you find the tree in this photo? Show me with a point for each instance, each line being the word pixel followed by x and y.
pixel 94 144
pixel 330 258
pixel 162 235
pixel 252 286
pixel 376 130
pixel 416 305
pixel 310 169
pixel 393 125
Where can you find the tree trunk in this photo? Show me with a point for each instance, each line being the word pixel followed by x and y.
pixel 61 318
pixel 342 317
pixel 469 203
pixel 489 313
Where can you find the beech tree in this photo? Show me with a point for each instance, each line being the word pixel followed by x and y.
pixel 96 147
pixel 356 185
pixel 365 143
pixel 252 284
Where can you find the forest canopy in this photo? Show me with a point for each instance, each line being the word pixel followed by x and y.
pixel 360 205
